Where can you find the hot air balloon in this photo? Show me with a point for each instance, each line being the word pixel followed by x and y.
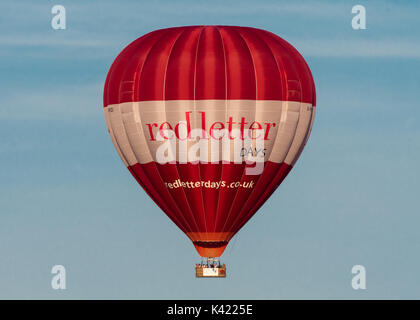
pixel 235 86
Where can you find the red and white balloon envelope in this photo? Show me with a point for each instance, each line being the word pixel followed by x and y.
pixel 209 120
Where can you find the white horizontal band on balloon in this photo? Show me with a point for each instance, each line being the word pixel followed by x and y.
pixel 130 124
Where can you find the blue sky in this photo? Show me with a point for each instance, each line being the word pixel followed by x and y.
pixel 66 198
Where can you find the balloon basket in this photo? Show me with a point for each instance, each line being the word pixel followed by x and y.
pixel 210 268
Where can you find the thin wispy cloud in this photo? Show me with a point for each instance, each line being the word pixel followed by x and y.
pixel 348 48
pixel 308 25
pixel 51 41
pixel 56 102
